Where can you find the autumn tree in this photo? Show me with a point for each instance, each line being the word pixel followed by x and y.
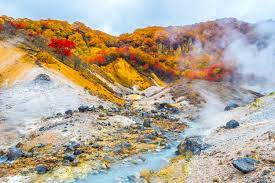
pixel 62 46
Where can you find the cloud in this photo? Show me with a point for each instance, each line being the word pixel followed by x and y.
pixel 120 16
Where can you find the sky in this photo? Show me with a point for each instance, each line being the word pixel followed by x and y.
pixel 121 16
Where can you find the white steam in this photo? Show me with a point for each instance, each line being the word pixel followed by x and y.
pixel 255 59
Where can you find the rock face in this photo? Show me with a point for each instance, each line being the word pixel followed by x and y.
pixel 14 153
pixel 42 78
pixel 230 106
pixel 192 144
pixel 232 124
pixel 245 165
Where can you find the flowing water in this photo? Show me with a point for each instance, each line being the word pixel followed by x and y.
pixel 123 172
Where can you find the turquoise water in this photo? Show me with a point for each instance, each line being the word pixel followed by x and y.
pixel 120 173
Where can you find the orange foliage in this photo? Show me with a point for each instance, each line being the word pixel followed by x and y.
pixel 168 51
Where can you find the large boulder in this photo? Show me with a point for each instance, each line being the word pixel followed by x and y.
pixel 245 165
pixel 14 153
pixel 192 144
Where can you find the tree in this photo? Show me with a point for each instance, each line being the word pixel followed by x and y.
pixel 62 47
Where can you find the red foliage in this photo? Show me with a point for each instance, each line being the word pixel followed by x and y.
pixel 146 66
pixel 99 60
pixel 215 72
pixel 1 27
pixel 133 57
pixel 62 46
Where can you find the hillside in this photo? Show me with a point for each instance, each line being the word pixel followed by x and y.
pixel 194 51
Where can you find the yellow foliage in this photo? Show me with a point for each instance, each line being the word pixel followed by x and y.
pixel 123 73
pixel 44 57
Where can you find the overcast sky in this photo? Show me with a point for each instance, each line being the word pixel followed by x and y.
pixel 120 16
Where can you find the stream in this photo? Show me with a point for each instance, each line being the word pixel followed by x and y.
pixel 126 171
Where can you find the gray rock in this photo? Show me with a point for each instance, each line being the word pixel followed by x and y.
pixel 69 157
pixel 42 78
pixel 41 169
pixel 245 165
pixel 232 124
pixel 69 112
pixel 147 123
pixel 83 108
pixel 72 146
pixel 78 152
pixel 14 153
pixel 192 144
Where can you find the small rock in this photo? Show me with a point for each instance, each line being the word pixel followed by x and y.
pixel 78 152
pixel 232 124
pixel 193 144
pixel 69 157
pixel 72 146
pixel 147 123
pixel 69 112
pixel 41 169
pixel 149 136
pixel 245 165
pixel 14 153
pixel 40 145
pixel 83 108
pixel 230 106
pixel 109 159
pixel 126 145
